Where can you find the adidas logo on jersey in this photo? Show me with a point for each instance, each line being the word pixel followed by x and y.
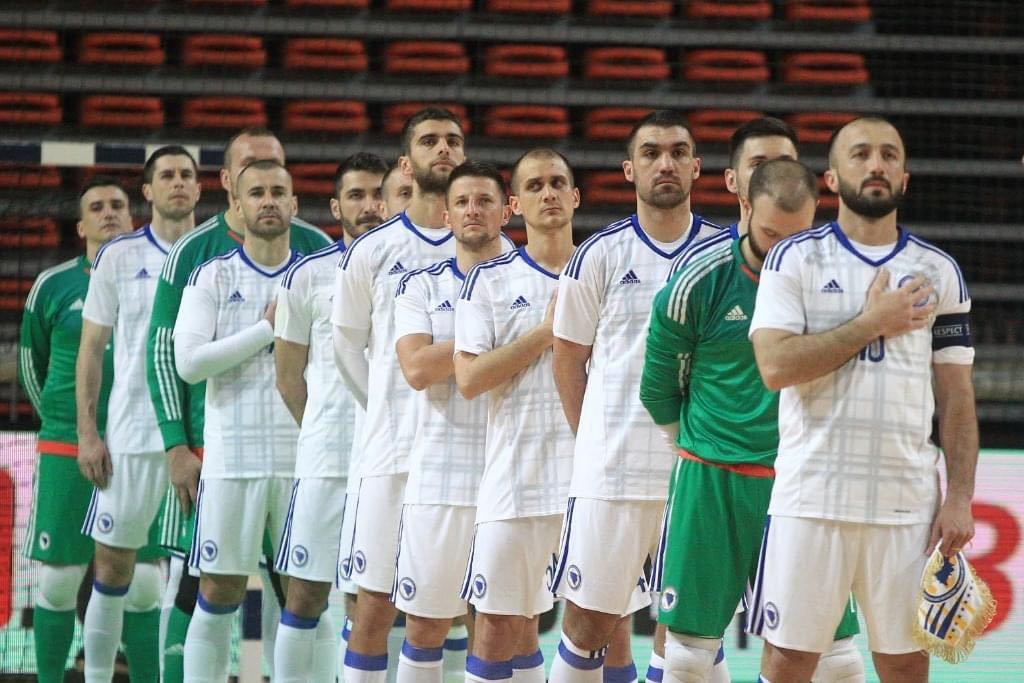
pixel 236 298
pixel 397 268
pixel 520 302
pixel 143 274
pixel 629 278
pixel 445 307
pixel 832 288
pixel 735 313
pixel 77 305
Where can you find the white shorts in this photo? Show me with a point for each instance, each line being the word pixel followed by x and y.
pixel 120 515
pixel 432 558
pixel 309 545
pixel 348 528
pixel 810 566
pixel 232 518
pixel 378 515
pixel 604 553
pixel 511 565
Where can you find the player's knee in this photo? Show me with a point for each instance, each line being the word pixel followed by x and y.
pixel 587 629
pixel 842 664
pixel 689 659
pixel 58 586
pixel 188 593
pixel 146 588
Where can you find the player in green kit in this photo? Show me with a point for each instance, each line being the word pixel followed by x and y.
pixel 700 381
pixel 179 407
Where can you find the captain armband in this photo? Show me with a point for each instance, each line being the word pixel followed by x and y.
pixel 952 329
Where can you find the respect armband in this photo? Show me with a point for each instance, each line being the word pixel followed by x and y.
pixel 952 329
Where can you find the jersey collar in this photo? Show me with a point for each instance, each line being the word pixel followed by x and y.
pixel 533 264
pixel 412 227
pixel 222 219
pixel 901 241
pixel 293 256
pixel 745 268
pixel 695 222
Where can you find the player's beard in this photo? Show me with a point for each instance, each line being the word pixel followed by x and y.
pixel 267 231
pixel 174 213
pixel 362 224
pixel 430 181
pixel 869 206
pixel 668 197
pixel 477 243
pixel 755 246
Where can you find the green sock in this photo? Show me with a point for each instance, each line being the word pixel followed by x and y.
pixel 174 646
pixel 140 635
pixel 52 632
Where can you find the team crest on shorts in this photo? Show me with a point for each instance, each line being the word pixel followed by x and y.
pixel 771 615
pixel 105 523
pixel 479 585
pixel 359 562
pixel 669 599
pixel 44 541
pixel 346 567
pixel 300 556
pixel 208 551
pixel 407 588
pixel 574 577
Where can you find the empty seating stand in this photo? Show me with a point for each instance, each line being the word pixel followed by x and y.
pixel 231 51
pixel 630 8
pixel 15 176
pixel 33 109
pixel 430 5
pixel 817 127
pixel 611 123
pixel 630 63
pixel 333 54
pixel 115 111
pixel 223 112
pixel 29 46
pixel 608 187
pixel 326 116
pixel 426 57
pixel 729 9
pixel 129 49
pixel 710 190
pixel 330 4
pixel 315 178
pixel 526 61
pixel 227 4
pixel 396 114
pixel 825 68
pixel 726 66
pixel 527 121
pixel 13 292
pixel 29 233
pixel 530 6
pixel 844 11
pixel 717 125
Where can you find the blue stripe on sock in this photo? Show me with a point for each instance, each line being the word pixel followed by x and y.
pixel 620 674
pixel 528 661
pixel 654 674
pixel 366 662
pixel 761 679
pixel 422 654
pixel 577 662
pixel 214 609
pixel 112 591
pixel 491 671
pixel 346 630
pixel 720 657
pixel 399 621
pixel 456 643
pixel 295 621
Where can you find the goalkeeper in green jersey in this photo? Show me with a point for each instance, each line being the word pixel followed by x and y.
pixel 179 407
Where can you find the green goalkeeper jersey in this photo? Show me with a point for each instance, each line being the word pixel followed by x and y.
pixel 179 406
pixel 699 367
pixel 51 330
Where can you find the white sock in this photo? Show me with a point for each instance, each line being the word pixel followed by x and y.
pixel 396 637
pixel 456 647
pixel 270 617
pixel 528 668
pixel 482 671
pixel 365 668
pixel 104 618
pixel 573 664
pixel 620 674
pixel 420 664
pixel 208 643
pixel 175 569
pixel 293 648
pixel 655 669
pixel 325 650
pixel 720 671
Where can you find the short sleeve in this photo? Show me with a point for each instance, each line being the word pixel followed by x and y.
pixel 580 294
pixel 780 304
pixel 294 318
pixel 474 320
pixel 353 289
pixel 101 302
pixel 952 341
pixel 411 314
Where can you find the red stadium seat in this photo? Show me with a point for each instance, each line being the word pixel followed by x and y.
pixel 847 11
pixel 396 114
pixel 210 181
pixel 611 123
pixel 608 187
pixel 29 46
pixel 825 68
pixel 330 4
pixel 326 116
pixel 29 233
pixel 430 5
pixel 632 63
pixel 630 8
pixel 115 111
pixel 223 112
pixel 129 177
pixel 36 109
pixel 313 178
pixel 135 49
pixel 718 125
pixel 24 176
pixel 530 61
pixel 424 57
pixel 726 66
pixel 13 292
pixel 325 53
pixel 230 3
pixel 527 121
pixel 729 9
pixel 817 127
pixel 224 50
pixel 710 190
pixel 530 6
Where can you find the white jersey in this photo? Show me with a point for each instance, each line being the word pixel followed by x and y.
pixel 446 460
pixel 529 444
pixel 604 301
pixel 121 291
pixel 854 444
pixel 249 433
pixel 304 317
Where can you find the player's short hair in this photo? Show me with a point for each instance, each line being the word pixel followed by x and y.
pixel 872 118
pixel 248 131
pixel 425 114
pixel 387 174
pixel 360 161
pixel 476 169
pixel 541 153
pixel 98 181
pixel 260 165
pixel 661 118
pixel 787 182
pixel 166 151
pixel 764 127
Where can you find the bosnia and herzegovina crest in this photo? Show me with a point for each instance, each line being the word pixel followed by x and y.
pixel 956 606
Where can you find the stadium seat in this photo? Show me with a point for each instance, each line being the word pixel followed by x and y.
pixel 530 6
pixel 325 53
pixel 817 127
pixel 430 5
pixel 37 109
pixel 726 66
pixel 129 177
pixel 29 46
pixel 230 3
pixel 851 11
pixel 115 111
pixel 210 181
pixel 330 4
pixel 326 116
pixel 396 114
pixel 630 8
pixel 528 61
pixel 223 112
pixel 14 176
pixel 426 57
pixel 710 190
pixel 824 68
pixel 611 123
pixel 729 9
pixel 631 63
pixel 29 233
pixel 527 121
pixel 608 187
pixel 223 50
pixel 315 179
pixel 717 125
pixel 13 292
pixel 131 49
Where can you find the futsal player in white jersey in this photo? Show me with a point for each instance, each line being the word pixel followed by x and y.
pixel 223 334
pixel 621 466
pixel 364 345
pixel 854 321
pixel 503 347
pixel 129 469
pixel 311 387
pixel 447 456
